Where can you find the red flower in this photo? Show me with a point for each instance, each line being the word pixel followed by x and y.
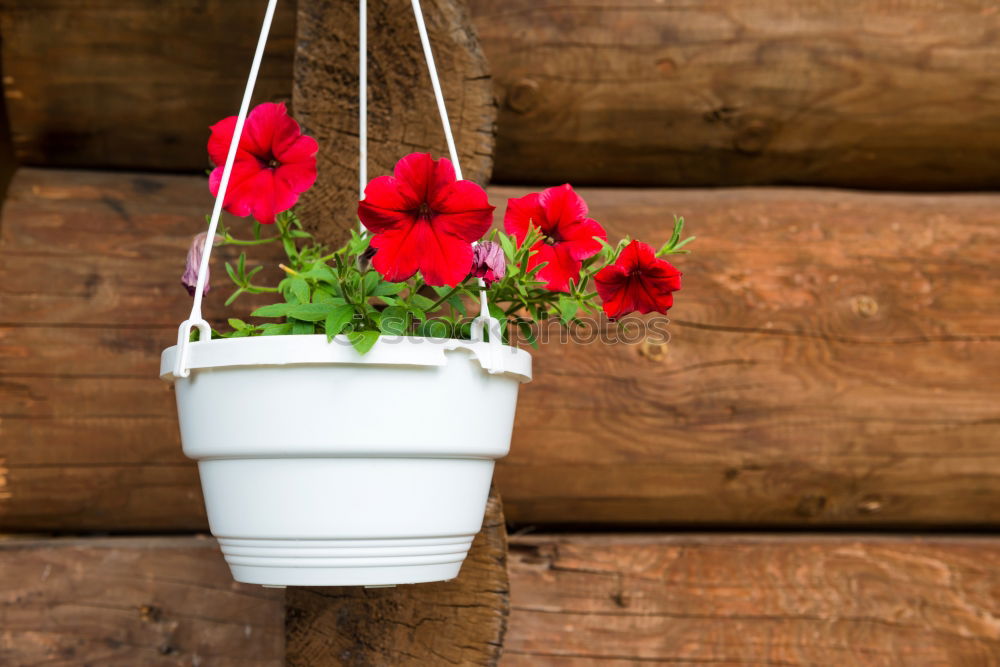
pixel 639 280
pixel 561 214
pixel 424 220
pixel 274 163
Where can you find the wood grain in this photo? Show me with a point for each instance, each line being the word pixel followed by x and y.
pixel 575 600
pixel 754 600
pixel 402 113
pixel 159 601
pixel 867 93
pixel 460 622
pixel 133 84
pixel 889 94
pixel 833 362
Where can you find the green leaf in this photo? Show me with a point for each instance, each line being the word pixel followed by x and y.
pixel 508 246
pixel 434 329
pixel 300 288
pixel 363 340
pixel 300 328
pixel 528 332
pixel 370 281
pixel 455 301
pixel 567 309
pixel 395 321
pixel 321 272
pixel 310 312
pixel 325 295
pixel 237 323
pixel 358 243
pixel 273 310
pixel 387 289
pixel 337 319
pixel 274 329
pixel 232 273
pixel 421 301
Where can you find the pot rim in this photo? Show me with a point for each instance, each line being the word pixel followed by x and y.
pixel 313 349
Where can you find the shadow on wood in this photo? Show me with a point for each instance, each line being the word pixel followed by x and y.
pixel 462 621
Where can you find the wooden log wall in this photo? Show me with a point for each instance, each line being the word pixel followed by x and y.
pixel 133 84
pixel 576 600
pixel 833 358
pixel 890 94
pixel 834 362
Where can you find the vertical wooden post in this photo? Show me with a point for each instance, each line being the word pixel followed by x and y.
pixel 462 621
pixel 402 116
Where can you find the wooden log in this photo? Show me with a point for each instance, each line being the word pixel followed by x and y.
pixel 834 361
pixel 576 600
pixel 133 84
pixel 891 94
pixel 760 600
pixel 132 601
pixel 402 113
pixel 459 622
pixel 869 93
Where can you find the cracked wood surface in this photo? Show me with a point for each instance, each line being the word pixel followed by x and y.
pixel 402 113
pixel 575 600
pixel 155 601
pixel 888 94
pixel 457 622
pixel 133 84
pixel 753 600
pixel 834 361
pixel 870 93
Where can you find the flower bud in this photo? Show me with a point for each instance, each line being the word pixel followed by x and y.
pixel 488 262
pixel 190 277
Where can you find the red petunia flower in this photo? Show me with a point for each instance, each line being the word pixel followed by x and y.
pixel 561 215
pixel 638 281
pixel 422 219
pixel 274 163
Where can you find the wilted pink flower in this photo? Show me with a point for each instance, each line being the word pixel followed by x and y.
pixel 488 262
pixel 190 277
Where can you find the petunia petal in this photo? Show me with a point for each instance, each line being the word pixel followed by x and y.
pixel 610 283
pixel 441 258
pixel 397 257
pixel 560 267
pixel 578 238
pixel 562 205
pixel 267 125
pixel 220 138
pixel 238 200
pixel 387 204
pixel 418 171
pixel 299 176
pixel 301 149
pixel 522 212
pixel 463 210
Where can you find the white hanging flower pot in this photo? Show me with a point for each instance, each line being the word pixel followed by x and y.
pixel 306 481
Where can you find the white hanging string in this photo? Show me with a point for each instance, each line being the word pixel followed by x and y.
pixel 195 319
pixel 425 42
pixel 362 100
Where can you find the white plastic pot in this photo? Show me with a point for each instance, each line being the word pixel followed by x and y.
pixel 323 467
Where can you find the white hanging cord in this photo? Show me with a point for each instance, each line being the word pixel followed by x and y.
pixel 484 310
pixel 362 99
pixel 195 319
pixel 436 85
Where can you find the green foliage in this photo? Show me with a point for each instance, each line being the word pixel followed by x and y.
pixel 338 293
